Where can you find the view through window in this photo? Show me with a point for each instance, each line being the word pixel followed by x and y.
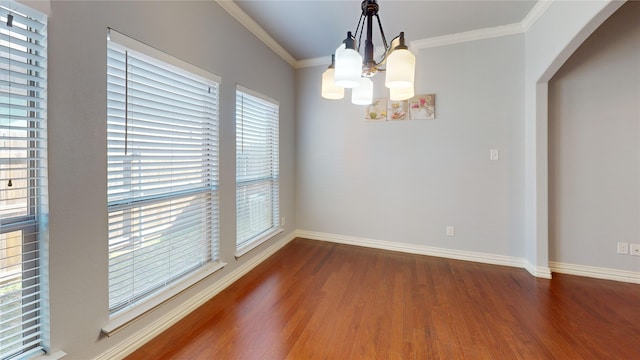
pixel 257 168
pixel 162 171
pixel 23 184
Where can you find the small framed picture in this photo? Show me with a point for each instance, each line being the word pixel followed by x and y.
pixel 398 110
pixel 377 111
pixel 423 107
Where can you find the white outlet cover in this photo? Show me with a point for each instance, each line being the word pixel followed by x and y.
pixel 494 154
pixel 623 248
pixel 635 249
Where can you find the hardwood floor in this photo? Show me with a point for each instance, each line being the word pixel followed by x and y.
pixel 317 300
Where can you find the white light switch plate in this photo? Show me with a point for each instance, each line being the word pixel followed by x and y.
pixel 494 154
pixel 451 231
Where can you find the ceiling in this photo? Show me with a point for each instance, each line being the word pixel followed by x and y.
pixel 309 29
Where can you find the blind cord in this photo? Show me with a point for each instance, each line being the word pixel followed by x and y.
pixel 126 102
pixel 9 25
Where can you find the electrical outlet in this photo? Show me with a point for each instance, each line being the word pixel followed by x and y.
pixel 451 231
pixel 623 248
pixel 635 249
pixel 283 221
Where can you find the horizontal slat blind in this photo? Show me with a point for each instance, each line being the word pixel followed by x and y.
pixel 162 139
pixel 257 169
pixel 23 183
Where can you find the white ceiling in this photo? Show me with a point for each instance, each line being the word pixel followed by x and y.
pixel 309 29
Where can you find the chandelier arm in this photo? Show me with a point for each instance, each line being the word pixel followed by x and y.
pixel 384 39
pixel 361 31
pixel 360 23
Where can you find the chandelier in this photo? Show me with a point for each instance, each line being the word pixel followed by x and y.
pixel 349 69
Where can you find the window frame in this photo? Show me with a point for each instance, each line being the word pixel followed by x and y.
pixel 122 315
pixel 273 124
pixel 32 224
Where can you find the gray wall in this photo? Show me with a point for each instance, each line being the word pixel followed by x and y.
pixel 594 147
pixel 199 32
pixel 406 181
pixel 401 182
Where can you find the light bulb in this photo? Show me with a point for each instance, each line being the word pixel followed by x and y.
pixel 348 67
pixel 401 68
pixel 398 94
pixel 363 94
pixel 329 88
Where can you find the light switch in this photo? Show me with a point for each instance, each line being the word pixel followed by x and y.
pixel 494 154
pixel 451 231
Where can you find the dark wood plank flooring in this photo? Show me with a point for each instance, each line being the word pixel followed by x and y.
pixel 317 300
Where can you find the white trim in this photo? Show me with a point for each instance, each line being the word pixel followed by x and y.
pixel 54 356
pixel 323 60
pixel 153 55
pixel 480 34
pixel 535 13
pixel 126 317
pixel 133 342
pixel 32 7
pixel 415 249
pixel 254 244
pixel 537 271
pixel 596 272
pixel 237 13
pixel 256 94
pixel 474 35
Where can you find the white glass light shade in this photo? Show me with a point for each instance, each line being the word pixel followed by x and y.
pixel 329 88
pixel 398 94
pixel 348 67
pixel 363 94
pixel 401 69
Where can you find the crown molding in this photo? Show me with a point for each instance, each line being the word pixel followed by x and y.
pixel 473 35
pixel 488 33
pixel 324 60
pixel 237 13
pixel 535 13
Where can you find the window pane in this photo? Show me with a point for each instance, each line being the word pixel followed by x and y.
pixel 23 169
pixel 152 243
pixel 11 290
pixel 162 138
pixel 257 169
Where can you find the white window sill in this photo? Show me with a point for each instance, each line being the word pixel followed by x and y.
pixel 124 318
pixel 254 244
pixel 43 356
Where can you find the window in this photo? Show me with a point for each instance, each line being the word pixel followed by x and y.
pixel 162 132
pixel 23 184
pixel 257 170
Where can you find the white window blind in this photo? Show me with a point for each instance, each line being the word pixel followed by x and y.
pixel 257 169
pixel 23 183
pixel 162 129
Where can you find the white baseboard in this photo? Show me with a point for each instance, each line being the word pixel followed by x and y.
pixel 154 329
pixel 423 250
pixel 543 272
pixel 596 272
